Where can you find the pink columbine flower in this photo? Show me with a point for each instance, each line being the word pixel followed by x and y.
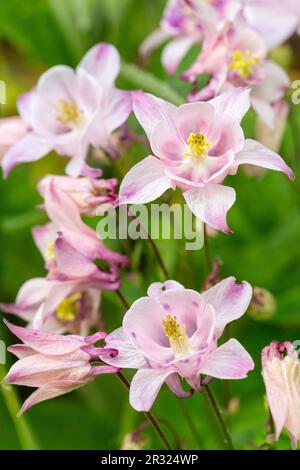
pixel 71 248
pixel 57 306
pixel 281 374
pixel 275 20
pixel 55 364
pixel 92 196
pixel 237 58
pixel 12 129
pixel 70 110
pixel 172 334
pixel 196 146
pixel 185 23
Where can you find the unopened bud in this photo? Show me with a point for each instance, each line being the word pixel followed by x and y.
pixel 134 441
pixel 263 304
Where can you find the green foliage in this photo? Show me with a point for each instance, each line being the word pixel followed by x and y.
pixel 264 249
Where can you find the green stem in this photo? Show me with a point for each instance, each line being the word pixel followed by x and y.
pixel 25 434
pixel 122 299
pixel 148 82
pixel 190 423
pixel 154 248
pixel 149 416
pixel 220 417
pixel 208 264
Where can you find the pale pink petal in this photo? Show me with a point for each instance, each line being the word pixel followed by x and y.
pixel 189 309
pixel 116 105
pixel 175 51
pixel 103 63
pixel 229 299
pixel 52 390
pixel 154 40
pixel 246 39
pixel 128 355
pixel 58 83
pixel 145 182
pixel 194 117
pixel 37 370
pixel 70 261
pixel 46 343
pixel 29 149
pixel 235 102
pixel 145 387
pixel 211 169
pixel 211 204
pixel 174 384
pixel 25 106
pixel 276 393
pixel 276 26
pixel 43 236
pixel 150 110
pixel 229 361
pixel 264 110
pixel 158 288
pixel 143 325
pixel 21 350
pixel 255 153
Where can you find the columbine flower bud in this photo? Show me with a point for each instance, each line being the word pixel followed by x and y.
pixel 134 441
pixel 55 364
pixel 281 374
pixel 263 304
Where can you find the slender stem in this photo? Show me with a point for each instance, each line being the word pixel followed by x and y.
pixel 219 415
pixel 122 299
pixel 208 264
pixel 190 423
pixel 154 247
pixel 159 257
pixel 25 434
pixel 149 416
pixel 226 383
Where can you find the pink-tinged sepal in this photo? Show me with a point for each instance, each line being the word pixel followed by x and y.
pixel 55 364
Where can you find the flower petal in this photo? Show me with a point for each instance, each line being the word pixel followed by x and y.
pixel 29 149
pixel 158 288
pixel 229 361
pixel 103 63
pixel 235 102
pixel 46 343
pixel 257 154
pixel 128 355
pixel 211 203
pixel 174 384
pixel 145 182
pixel 175 51
pixel 145 387
pixel 154 40
pixel 150 110
pixel 229 299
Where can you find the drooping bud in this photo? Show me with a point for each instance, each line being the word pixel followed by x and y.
pixel 281 374
pixel 263 304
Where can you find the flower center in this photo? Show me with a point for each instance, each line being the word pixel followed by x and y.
pixel 68 308
pixel 68 113
pixel 198 146
pixel 177 338
pixel 243 62
pixel 49 254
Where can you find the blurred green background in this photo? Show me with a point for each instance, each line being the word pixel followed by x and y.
pixel 264 249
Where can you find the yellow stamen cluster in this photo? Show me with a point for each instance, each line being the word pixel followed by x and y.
pixel 68 308
pixel 198 146
pixel 68 113
pixel 243 62
pixel 49 254
pixel 176 337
